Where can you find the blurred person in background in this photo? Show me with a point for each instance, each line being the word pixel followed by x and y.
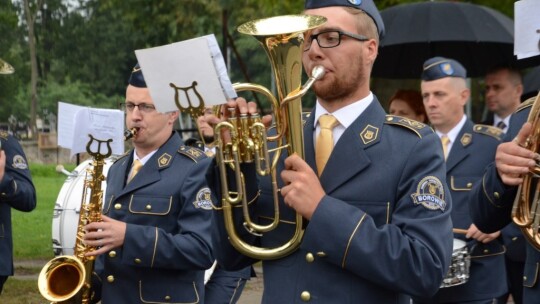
pixel 503 90
pixel 408 103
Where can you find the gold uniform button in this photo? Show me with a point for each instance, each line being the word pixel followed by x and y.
pixel 321 254
pixel 486 251
pixel 305 296
pixel 524 278
pixel 137 261
pixel 117 206
pixel 469 185
pixel 167 298
pixel 496 195
pixel 148 207
pixel 514 239
pixel 112 254
pixel 110 278
pixel 310 258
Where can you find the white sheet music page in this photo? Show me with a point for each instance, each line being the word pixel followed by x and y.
pixel 185 74
pixel 526 28
pixel 75 123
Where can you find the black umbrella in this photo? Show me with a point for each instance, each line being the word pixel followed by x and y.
pixel 531 83
pixel 477 36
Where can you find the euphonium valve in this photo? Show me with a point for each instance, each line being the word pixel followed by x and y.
pixel 526 208
pixel 282 38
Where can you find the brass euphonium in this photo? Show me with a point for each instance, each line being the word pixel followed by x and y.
pixel 66 278
pixel 282 38
pixel 526 208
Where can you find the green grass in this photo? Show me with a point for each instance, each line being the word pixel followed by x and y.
pixel 32 236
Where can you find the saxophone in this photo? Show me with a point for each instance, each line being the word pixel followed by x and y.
pixel 66 278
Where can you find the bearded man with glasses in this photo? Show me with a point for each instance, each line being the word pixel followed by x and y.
pixel 378 205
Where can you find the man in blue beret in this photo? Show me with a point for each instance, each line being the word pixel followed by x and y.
pixel 379 225
pixel 468 149
pixel 154 241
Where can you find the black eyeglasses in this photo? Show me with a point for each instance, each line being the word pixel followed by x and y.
pixel 143 107
pixel 330 39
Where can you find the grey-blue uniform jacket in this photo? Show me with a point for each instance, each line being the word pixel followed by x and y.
pixel 16 191
pixel 473 149
pixel 492 207
pixel 382 231
pixel 167 246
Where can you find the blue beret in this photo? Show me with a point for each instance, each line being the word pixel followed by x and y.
pixel 136 78
pixel 440 67
pixel 366 5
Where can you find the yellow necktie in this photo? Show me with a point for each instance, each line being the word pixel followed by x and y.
pixel 325 141
pixel 137 165
pixel 445 141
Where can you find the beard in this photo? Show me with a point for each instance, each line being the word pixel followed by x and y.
pixel 338 87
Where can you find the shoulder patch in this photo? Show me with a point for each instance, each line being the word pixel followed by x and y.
pixel 411 124
pixel 527 103
pixel 489 130
pixel 3 134
pixel 204 199
pixel 193 153
pixel 430 194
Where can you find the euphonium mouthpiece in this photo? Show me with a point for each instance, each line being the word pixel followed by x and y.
pixel 318 72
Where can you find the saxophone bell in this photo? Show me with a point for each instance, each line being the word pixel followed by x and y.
pixel 68 278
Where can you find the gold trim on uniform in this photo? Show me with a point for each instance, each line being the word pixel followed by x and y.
pixel 466 139
pixel 191 152
pixel 369 134
pixel 3 134
pixel 408 123
pixel 527 103
pixel 164 160
pixel 350 240
pixel 489 130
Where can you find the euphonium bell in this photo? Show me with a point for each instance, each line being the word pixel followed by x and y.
pixel 6 68
pixel 526 208
pixel 282 38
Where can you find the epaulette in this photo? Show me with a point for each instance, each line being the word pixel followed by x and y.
pixel 489 130
pixel 417 127
pixel 4 134
pixel 527 103
pixel 195 154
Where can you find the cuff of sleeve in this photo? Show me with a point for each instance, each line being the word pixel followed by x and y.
pixel 8 186
pixel 493 187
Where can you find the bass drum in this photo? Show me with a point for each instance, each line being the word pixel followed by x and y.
pixel 68 205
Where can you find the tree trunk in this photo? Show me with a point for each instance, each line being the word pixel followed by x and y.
pixel 34 72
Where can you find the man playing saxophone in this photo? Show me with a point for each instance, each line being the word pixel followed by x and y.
pixel 379 226
pixel 154 238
